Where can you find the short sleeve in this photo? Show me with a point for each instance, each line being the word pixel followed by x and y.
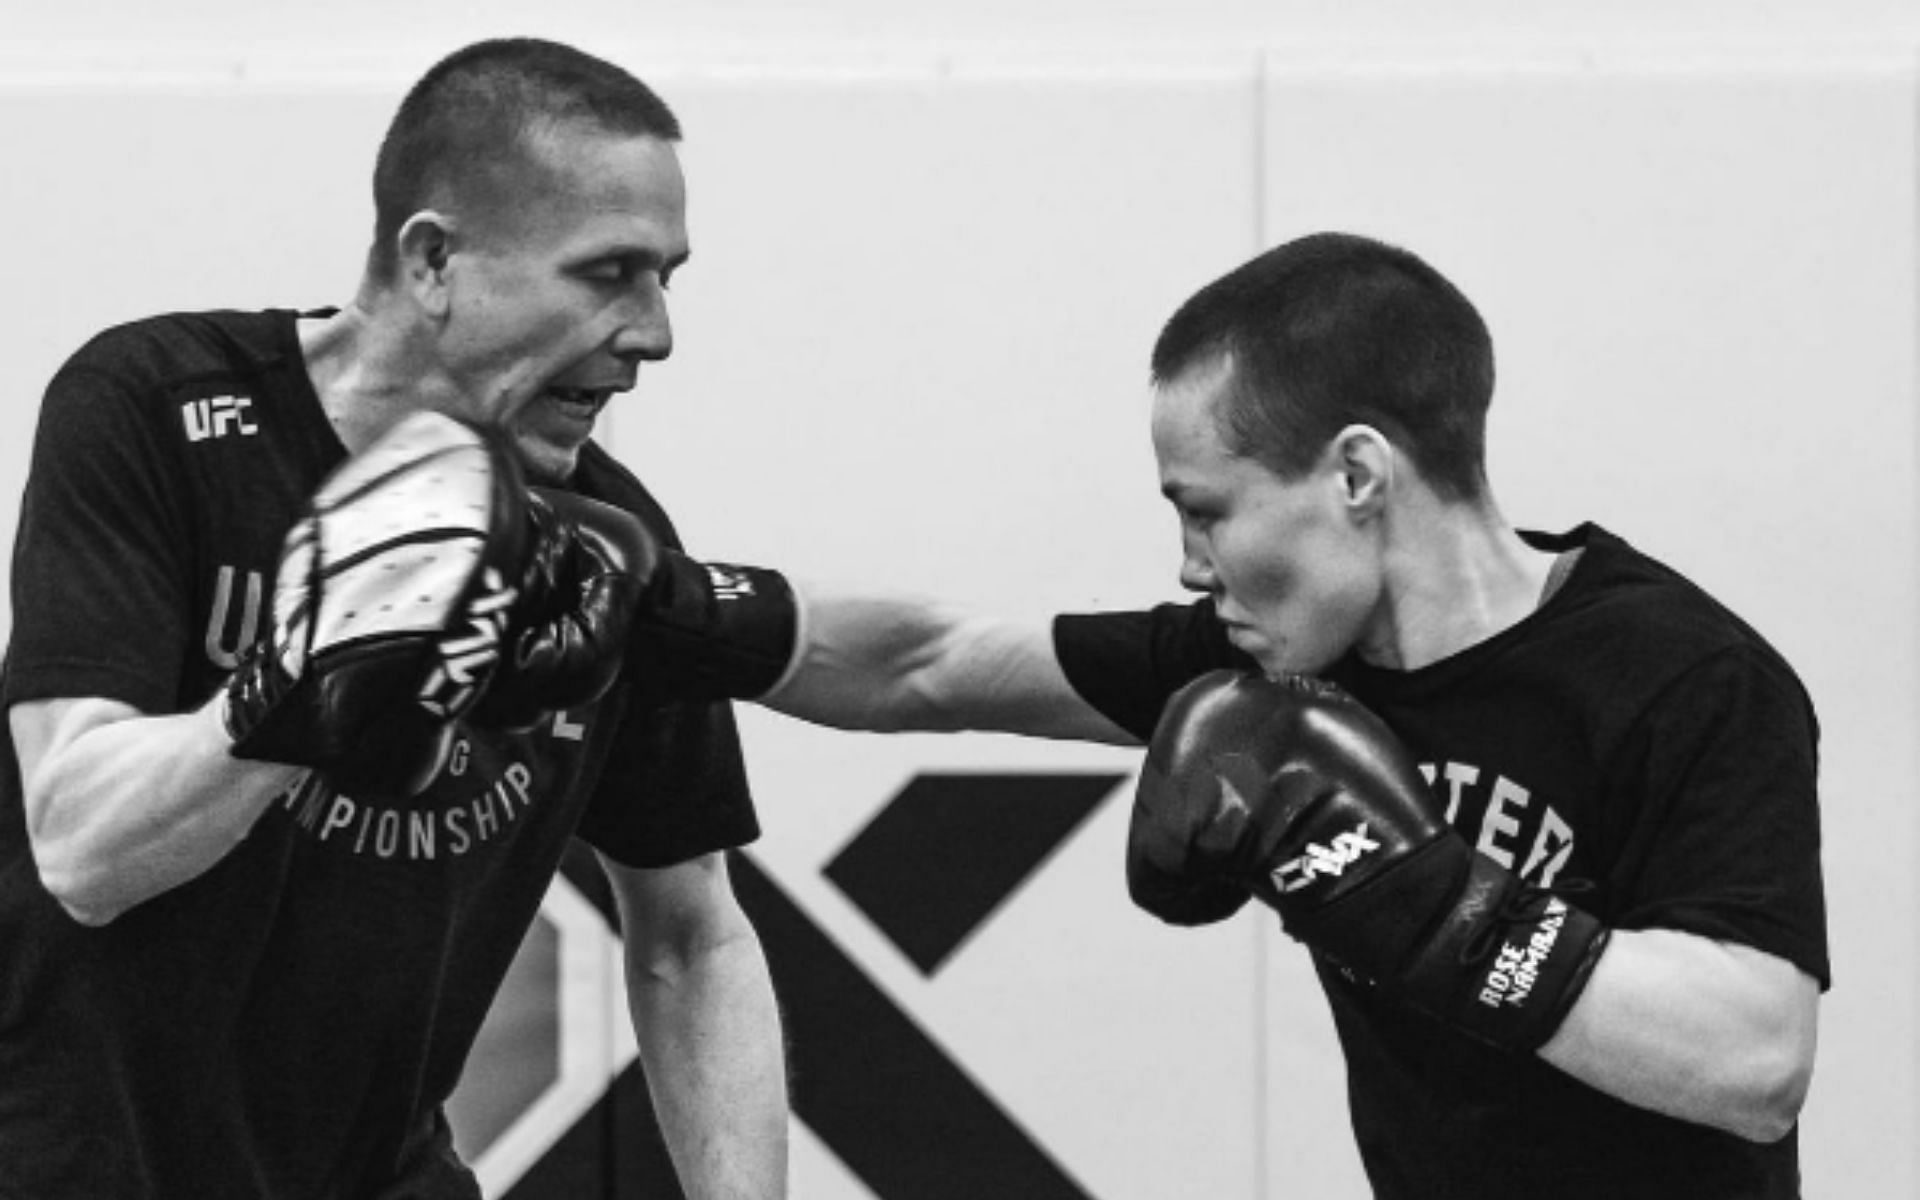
pixel 1726 841
pixel 1127 664
pixel 100 587
pixel 674 784
pixel 673 787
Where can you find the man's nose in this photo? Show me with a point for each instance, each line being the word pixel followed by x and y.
pixel 646 330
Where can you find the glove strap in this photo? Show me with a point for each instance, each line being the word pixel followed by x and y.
pixel 712 631
pixel 1510 960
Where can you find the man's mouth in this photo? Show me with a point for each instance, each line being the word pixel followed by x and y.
pixel 579 401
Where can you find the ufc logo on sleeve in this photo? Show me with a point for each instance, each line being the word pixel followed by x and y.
pixel 216 417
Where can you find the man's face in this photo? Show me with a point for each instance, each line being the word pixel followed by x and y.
pixel 1294 575
pixel 561 291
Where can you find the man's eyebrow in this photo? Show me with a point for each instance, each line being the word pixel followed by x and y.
pixel 645 255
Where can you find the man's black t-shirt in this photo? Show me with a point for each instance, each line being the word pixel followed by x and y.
pixel 288 1023
pixel 1631 734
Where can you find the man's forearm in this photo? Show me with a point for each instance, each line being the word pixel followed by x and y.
pixel 711 1043
pixel 122 806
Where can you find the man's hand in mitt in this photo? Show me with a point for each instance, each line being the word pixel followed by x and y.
pixel 393 593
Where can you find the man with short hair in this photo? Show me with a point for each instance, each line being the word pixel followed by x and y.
pixel 228 971
pixel 1566 902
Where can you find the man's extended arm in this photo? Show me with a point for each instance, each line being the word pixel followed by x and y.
pixel 704 1014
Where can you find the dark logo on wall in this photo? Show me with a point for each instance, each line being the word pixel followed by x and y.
pixel 931 870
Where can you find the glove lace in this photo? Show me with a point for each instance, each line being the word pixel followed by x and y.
pixel 1521 905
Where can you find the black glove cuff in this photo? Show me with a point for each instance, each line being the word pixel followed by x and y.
pixel 712 631
pixel 1512 961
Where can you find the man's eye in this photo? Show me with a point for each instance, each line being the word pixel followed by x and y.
pixel 623 273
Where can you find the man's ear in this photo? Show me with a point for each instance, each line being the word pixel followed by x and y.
pixel 426 244
pixel 1365 463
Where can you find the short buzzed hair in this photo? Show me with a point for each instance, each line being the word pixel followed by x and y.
pixel 475 110
pixel 1332 330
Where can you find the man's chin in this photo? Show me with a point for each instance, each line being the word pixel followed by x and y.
pixel 545 463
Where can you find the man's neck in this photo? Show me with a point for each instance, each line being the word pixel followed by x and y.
pixel 1456 575
pixel 368 372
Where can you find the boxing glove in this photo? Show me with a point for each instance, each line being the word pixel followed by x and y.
pixel 1290 791
pixel 587 569
pixel 393 592
pixel 601 593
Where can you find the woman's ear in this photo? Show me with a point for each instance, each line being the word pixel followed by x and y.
pixel 1365 463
